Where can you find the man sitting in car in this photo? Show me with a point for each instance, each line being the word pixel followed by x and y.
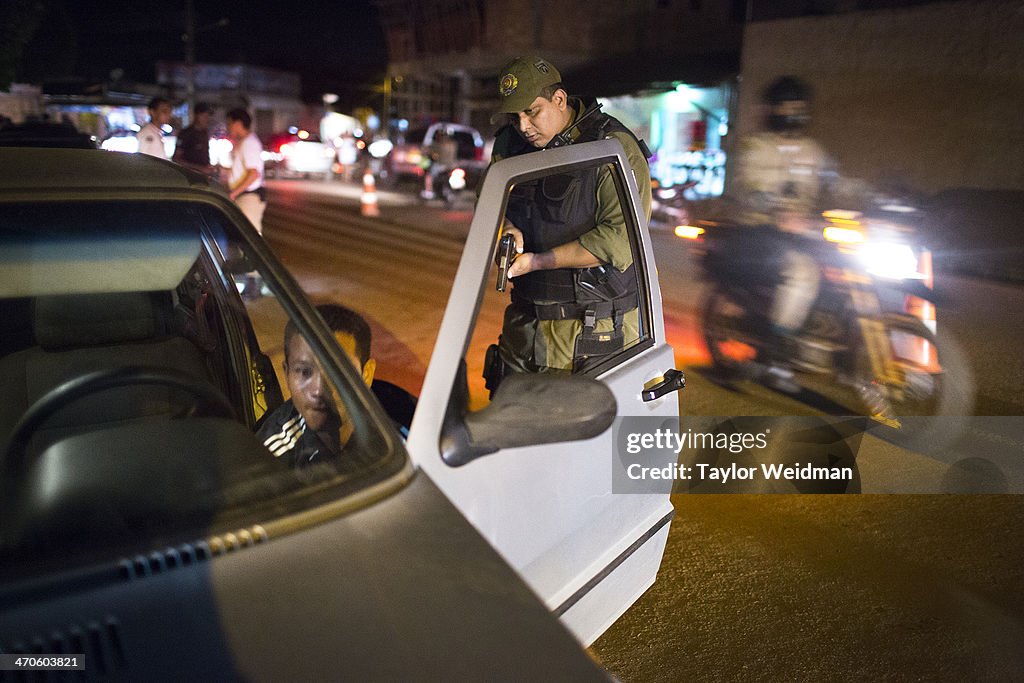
pixel 311 427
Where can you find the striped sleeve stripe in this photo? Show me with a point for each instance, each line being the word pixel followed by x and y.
pixel 285 440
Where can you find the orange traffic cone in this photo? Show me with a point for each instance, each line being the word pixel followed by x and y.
pixel 369 198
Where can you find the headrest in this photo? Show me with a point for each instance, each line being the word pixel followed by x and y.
pixel 67 321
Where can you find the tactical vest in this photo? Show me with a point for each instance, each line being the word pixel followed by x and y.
pixel 556 210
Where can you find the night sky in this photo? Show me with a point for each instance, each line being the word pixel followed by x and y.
pixel 335 45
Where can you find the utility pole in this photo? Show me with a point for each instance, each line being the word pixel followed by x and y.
pixel 189 38
pixel 190 57
pixel 386 118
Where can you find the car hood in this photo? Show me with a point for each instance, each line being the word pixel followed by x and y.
pixel 404 589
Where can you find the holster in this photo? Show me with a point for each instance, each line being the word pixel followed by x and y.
pixel 494 369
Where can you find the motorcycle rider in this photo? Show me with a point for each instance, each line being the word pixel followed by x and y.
pixel 780 178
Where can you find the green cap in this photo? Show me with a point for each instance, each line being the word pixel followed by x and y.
pixel 521 81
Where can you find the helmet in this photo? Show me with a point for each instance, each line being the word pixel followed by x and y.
pixel 792 118
pixel 787 89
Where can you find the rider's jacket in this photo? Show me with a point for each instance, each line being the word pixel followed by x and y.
pixel 777 173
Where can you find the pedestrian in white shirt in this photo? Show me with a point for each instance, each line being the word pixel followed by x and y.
pixel 246 180
pixel 245 183
pixel 151 137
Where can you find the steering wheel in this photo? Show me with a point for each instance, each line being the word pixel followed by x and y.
pixel 207 400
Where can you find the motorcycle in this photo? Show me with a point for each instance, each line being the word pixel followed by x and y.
pixel 872 327
pixel 452 184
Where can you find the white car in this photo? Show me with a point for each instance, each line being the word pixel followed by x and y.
pixel 145 528
pixel 294 156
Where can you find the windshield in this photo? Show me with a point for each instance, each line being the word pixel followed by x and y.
pixel 147 404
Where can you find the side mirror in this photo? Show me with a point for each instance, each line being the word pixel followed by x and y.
pixel 526 410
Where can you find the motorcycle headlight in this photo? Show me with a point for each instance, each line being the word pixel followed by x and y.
pixel 843 235
pixel 892 261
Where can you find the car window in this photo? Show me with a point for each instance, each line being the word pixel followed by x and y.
pixel 619 285
pixel 146 403
pixel 466 144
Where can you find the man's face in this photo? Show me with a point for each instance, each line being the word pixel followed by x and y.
pixel 203 120
pixel 311 389
pixel 236 130
pixel 161 116
pixel 544 119
pixel 791 116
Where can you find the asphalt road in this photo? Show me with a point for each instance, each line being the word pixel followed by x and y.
pixel 782 587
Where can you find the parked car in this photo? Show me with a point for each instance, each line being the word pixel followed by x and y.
pixel 44 134
pixel 292 155
pixel 144 526
pixel 443 159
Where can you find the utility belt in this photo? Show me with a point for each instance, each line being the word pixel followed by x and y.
pixel 590 342
pixel 576 310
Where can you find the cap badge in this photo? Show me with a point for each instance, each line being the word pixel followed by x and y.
pixel 508 84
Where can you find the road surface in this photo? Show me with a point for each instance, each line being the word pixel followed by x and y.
pixel 783 587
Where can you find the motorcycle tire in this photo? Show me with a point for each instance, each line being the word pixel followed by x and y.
pixel 731 348
pixel 932 406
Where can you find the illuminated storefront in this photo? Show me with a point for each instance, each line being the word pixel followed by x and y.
pixel 686 129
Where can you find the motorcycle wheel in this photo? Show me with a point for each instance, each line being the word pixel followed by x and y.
pixel 937 393
pixel 725 323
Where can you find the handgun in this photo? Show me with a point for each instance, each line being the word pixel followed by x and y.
pixel 504 258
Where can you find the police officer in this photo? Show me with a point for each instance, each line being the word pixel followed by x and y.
pixel 151 136
pixel 574 296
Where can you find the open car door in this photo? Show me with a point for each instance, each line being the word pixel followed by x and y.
pixel 535 482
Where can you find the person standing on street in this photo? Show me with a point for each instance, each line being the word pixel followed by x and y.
pixel 151 137
pixel 574 297
pixel 193 148
pixel 245 181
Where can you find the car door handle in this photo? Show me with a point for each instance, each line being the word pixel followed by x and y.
pixel 673 380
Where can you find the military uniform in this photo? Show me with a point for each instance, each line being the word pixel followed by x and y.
pixel 565 320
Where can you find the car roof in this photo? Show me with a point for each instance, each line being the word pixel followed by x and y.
pixel 85 169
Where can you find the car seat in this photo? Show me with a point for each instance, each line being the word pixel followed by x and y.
pixel 78 334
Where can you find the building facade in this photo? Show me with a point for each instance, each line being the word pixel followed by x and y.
pixel 665 67
pixel 927 95
pixel 271 96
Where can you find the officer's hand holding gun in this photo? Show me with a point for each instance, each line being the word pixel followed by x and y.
pixel 509 247
pixel 504 257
